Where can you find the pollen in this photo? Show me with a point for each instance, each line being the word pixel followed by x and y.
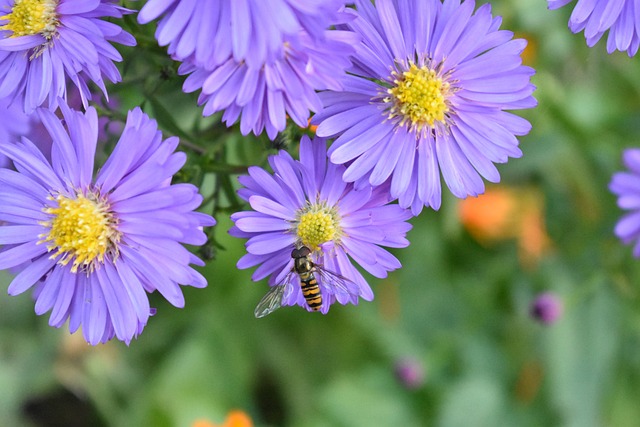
pixel 31 17
pixel 82 231
pixel 317 224
pixel 418 98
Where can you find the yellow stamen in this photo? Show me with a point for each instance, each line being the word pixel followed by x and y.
pixel 419 98
pixel 317 224
pixel 30 17
pixel 82 230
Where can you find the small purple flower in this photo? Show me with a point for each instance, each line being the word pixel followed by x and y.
pixel 261 98
pixel 306 204
pixel 15 123
pixel 427 95
pixel 626 185
pixel 45 42
pixel 546 308
pixel 93 247
pixel 620 17
pixel 410 373
pixel 253 31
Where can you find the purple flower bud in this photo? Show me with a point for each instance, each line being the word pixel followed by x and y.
pixel 410 373
pixel 546 308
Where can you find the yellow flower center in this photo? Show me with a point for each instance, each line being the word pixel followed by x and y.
pixel 29 17
pixel 419 98
pixel 82 230
pixel 317 224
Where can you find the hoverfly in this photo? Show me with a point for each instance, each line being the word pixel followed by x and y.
pixel 306 270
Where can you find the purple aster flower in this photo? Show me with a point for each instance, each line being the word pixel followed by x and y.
pixel 261 98
pixel 620 17
pixel 546 308
pixel 626 185
pixel 45 42
pixel 306 207
pixel 92 247
pixel 427 95
pixel 15 123
pixel 254 31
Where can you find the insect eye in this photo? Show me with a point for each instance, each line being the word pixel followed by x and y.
pixel 304 251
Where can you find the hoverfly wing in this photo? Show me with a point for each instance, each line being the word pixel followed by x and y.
pixel 274 297
pixel 270 302
pixel 338 283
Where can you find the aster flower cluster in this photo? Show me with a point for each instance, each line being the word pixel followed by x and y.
pixel 404 90
pixel 418 100
pixel 406 95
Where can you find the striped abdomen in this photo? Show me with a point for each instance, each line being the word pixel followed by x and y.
pixel 311 290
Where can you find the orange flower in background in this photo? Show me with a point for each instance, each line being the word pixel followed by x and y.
pixel 235 418
pixel 530 53
pixel 504 213
pixel 490 216
pixel 238 419
pixel 312 128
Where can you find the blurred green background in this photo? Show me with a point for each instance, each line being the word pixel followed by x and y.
pixel 457 312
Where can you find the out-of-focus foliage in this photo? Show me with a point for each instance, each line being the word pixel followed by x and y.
pixel 459 307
